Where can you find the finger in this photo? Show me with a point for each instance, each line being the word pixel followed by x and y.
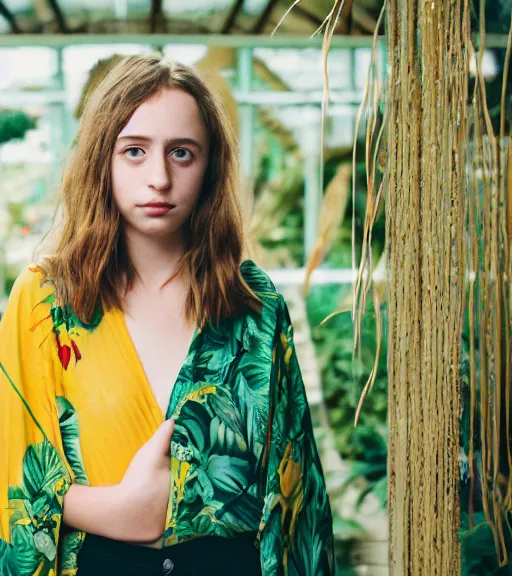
pixel 162 437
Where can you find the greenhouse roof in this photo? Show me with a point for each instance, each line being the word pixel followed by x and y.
pixel 190 17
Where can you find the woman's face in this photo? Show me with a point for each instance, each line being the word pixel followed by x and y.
pixel 158 164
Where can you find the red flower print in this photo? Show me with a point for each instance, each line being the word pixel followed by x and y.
pixel 65 355
pixel 78 356
pixel 64 352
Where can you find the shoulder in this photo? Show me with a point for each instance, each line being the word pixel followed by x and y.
pixel 29 288
pixel 257 280
pixel 261 284
pixel 274 307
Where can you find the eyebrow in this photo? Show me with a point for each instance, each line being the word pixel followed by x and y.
pixel 171 141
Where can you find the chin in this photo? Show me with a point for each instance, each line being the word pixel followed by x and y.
pixel 159 230
pixel 155 228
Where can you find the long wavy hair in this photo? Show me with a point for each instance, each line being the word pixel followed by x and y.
pixel 88 262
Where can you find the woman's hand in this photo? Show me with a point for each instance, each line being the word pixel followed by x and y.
pixel 144 489
pixel 135 509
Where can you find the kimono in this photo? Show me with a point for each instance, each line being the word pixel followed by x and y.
pixel 76 405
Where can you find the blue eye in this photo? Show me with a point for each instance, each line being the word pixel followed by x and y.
pixel 182 155
pixel 133 152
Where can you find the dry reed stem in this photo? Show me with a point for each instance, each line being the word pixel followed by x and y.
pixel 491 307
pixel 424 224
pixel 506 198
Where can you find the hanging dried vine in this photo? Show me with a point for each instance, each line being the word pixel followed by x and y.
pixel 448 193
pixel 425 191
pixel 489 210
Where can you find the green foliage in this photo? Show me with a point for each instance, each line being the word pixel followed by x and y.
pixel 14 124
pixel 343 551
pixel 282 185
pixel 340 255
pixel 344 377
pixel 478 551
pixel 478 548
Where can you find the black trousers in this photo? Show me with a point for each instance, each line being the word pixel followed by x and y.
pixel 208 556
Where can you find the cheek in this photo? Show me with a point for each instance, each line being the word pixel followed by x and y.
pixel 122 182
pixel 192 186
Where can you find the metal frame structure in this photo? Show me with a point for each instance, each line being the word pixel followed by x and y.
pixel 231 41
pixel 157 20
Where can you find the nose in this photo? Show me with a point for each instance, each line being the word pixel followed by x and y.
pixel 160 173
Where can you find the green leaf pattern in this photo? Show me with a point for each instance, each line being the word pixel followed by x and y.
pixel 37 506
pixel 229 474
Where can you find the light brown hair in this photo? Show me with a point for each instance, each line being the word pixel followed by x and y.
pixel 89 262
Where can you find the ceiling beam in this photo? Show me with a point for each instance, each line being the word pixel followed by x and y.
pixel 262 20
pixel 156 15
pixel 11 19
pixel 265 15
pixel 59 16
pixel 300 11
pixel 364 19
pixel 231 19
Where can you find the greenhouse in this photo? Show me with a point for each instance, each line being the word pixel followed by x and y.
pixel 373 138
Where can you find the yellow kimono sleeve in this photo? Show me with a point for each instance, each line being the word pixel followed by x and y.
pixel 33 476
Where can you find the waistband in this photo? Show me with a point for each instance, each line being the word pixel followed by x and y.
pixel 202 555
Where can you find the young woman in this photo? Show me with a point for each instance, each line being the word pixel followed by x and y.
pixel 150 394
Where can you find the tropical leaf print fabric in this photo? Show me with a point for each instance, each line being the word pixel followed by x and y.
pixel 74 397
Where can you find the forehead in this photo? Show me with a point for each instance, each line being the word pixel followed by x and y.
pixel 171 113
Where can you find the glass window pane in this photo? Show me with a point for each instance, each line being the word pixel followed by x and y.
pixel 27 68
pixel 185 53
pixel 302 69
pixel 79 60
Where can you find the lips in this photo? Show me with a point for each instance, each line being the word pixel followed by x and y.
pixel 158 205
pixel 157 209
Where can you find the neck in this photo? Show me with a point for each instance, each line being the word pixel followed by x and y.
pixel 154 260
